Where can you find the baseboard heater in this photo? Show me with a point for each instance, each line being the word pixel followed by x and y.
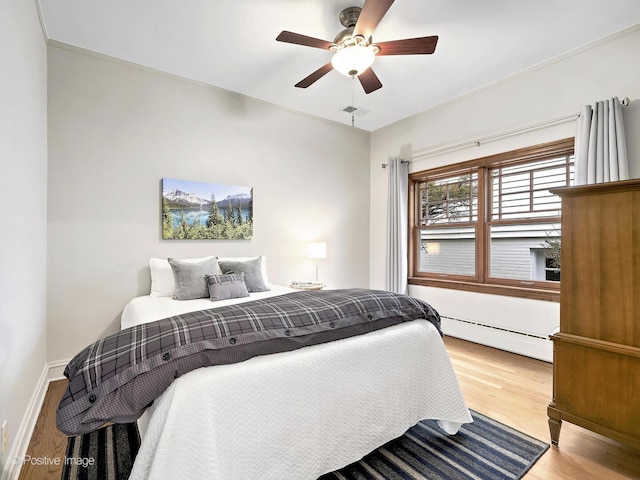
pixel 493 327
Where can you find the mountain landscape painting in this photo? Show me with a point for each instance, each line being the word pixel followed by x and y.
pixel 201 211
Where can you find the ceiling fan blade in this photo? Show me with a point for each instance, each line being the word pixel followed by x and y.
pixel 371 14
pixel 298 39
pixel 409 46
pixel 315 76
pixel 369 81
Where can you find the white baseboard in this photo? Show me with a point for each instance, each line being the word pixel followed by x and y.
pixel 532 346
pixel 50 372
pixel 13 462
pixel 56 369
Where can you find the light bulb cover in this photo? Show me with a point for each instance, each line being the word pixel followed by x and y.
pixel 353 60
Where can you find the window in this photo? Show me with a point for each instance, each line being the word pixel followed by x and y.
pixel 448 219
pixel 492 224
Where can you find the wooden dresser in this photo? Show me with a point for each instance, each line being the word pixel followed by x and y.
pixel 596 366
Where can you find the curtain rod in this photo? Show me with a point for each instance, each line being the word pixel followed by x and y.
pixel 471 143
pixel 385 165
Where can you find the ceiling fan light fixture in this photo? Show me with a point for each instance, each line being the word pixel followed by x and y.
pixel 353 60
pixel 353 48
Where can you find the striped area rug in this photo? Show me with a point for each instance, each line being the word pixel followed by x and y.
pixel 482 450
pixel 105 454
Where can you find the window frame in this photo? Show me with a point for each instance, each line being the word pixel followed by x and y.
pixel 482 281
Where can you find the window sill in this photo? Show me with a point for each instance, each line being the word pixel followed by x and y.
pixel 505 290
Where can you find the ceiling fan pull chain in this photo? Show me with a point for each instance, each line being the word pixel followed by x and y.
pixel 353 100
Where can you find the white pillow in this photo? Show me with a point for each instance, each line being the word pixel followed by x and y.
pixel 163 283
pixel 246 259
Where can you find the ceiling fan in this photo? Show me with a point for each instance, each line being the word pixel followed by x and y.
pixel 354 49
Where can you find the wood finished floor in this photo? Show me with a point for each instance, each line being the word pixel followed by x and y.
pixel 512 389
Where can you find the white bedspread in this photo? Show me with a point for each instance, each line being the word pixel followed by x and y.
pixel 300 414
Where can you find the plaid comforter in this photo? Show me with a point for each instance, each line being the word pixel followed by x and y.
pixel 117 377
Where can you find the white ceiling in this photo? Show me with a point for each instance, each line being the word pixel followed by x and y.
pixel 231 44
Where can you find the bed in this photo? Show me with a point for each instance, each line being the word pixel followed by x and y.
pixel 293 414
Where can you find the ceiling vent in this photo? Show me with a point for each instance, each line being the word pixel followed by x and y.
pixel 351 110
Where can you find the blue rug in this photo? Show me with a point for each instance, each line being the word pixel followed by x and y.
pixel 482 450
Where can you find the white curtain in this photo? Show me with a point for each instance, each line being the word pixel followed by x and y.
pixel 396 280
pixel 601 152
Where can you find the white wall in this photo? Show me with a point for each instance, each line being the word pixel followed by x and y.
pixel 23 196
pixel 115 130
pixel 555 89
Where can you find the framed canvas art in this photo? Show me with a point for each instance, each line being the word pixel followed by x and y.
pixel 201 211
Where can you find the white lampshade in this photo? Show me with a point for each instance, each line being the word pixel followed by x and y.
pixel 353 60
pixel 317 250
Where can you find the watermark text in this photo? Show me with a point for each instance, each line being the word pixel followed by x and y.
pixel 46 460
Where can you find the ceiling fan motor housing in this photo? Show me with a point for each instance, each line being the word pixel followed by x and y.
pixel 349 16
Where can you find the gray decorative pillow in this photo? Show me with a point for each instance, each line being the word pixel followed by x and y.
pixel 224 287
pixel 191 279
pixel 252 270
